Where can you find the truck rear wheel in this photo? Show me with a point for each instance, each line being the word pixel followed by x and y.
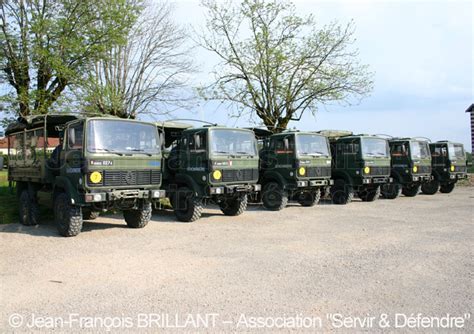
pixel 68 217
pixel 447 188
pixel 88 214
pixel 274 197
pixel 309 198
pixel 28 208
pixel 430 188
pixel 341 192
pixel 391 190
pixel 411 190
pixel 138 218
pixel 369 194
pixel 187 207
pixel 234 206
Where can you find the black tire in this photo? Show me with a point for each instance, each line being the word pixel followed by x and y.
pixel 274 197
pixel 447 188
pixel 234 206
pixel 138 218
pixel 186 206
pixel 391 190
pixel 341 193
pixel 309 198
pixel 430 188
pixel 87 214
pixel 28 208
pixel 68 217
pixel 369 194
pixel 411 190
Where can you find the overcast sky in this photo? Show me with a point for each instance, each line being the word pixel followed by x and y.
pixel 422 54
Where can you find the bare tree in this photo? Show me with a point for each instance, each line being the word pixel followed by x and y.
pixel 277 65
pixel 148 73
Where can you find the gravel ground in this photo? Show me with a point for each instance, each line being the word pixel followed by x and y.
pixel 405 256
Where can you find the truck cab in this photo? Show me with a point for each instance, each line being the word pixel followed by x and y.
pixel 449 165
pixel 209 164
pixel 411 167
pixel 360 165
pixel 294 165
pixel 100 163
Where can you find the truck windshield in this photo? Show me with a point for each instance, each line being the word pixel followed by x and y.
pixel 313 145
pixel 377 147
pixel 419 149
pixel 456 151
pixel 234 142
pixel 122 137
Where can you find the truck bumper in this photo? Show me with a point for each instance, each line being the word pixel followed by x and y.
pixel 459 176
pixel 422 178
pixel 232 189
pixel 314 183
pixel 115 195
pixel 377 180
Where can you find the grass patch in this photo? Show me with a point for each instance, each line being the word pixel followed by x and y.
pixel 8 201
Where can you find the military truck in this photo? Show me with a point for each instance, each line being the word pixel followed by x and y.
pixel 360 165
pixel 294 165
pixel 411 167
pixel 208 164
pixel 449 164
pixel 99 163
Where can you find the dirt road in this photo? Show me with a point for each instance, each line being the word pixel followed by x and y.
pixel 321 264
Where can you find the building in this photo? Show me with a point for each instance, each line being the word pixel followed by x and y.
pixel 52 143
pixel 471 110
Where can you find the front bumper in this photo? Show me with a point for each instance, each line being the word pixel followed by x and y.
pixel 116 195
pixel 377 180
pixel 232 189
pixel 422 178
pixel 458 176
pixel 314 183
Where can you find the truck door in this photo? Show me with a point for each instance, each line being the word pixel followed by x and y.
pixel 72 153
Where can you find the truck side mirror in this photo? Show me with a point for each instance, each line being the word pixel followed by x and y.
pixel 286 143
pixel 162 139
pixel 71 135
pixel 197 141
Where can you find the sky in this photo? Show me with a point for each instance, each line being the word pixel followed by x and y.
pixel 422 55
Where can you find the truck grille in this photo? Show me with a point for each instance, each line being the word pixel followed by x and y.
pixel 237 175
pixel 460 169
pixel 318 172
pixel 424 170
pixel 385 171
pixel 114 178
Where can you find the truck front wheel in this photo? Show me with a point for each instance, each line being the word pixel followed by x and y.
pixel 430 188
pixel 411 190
pixel 234 206
pixel 68 217
pixel 187 207
pixel 369 194
pixel 341 192
pixel 138 218
pixel 447 188
pixel 28 208
pixel 391 190
pixel 274 197
pixel 309 198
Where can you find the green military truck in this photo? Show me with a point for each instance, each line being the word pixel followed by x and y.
pixel 98 164
pixel 209 164
pixel 294 165
pixel 449 164
pixel 411 167
pixel 360 165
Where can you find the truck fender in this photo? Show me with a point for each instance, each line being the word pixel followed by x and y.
pixel 187 180
pixel 342 175
pixel 271 176
pixel 62 184
pixel 396 176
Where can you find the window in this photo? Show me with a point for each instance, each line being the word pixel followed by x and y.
pixel 283 145
pixel 398 150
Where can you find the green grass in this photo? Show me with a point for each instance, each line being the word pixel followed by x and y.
pixel 8 201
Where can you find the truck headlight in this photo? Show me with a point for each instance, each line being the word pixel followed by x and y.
pixel 302 171
pixel 217 175
pixel 95 177
pixel 452 168
pixel 367 170
pixel 415 169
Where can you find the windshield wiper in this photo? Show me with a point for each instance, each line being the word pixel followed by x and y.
pixel 109 151
pixel 140 151
pixel 222 152
pixel 241 152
